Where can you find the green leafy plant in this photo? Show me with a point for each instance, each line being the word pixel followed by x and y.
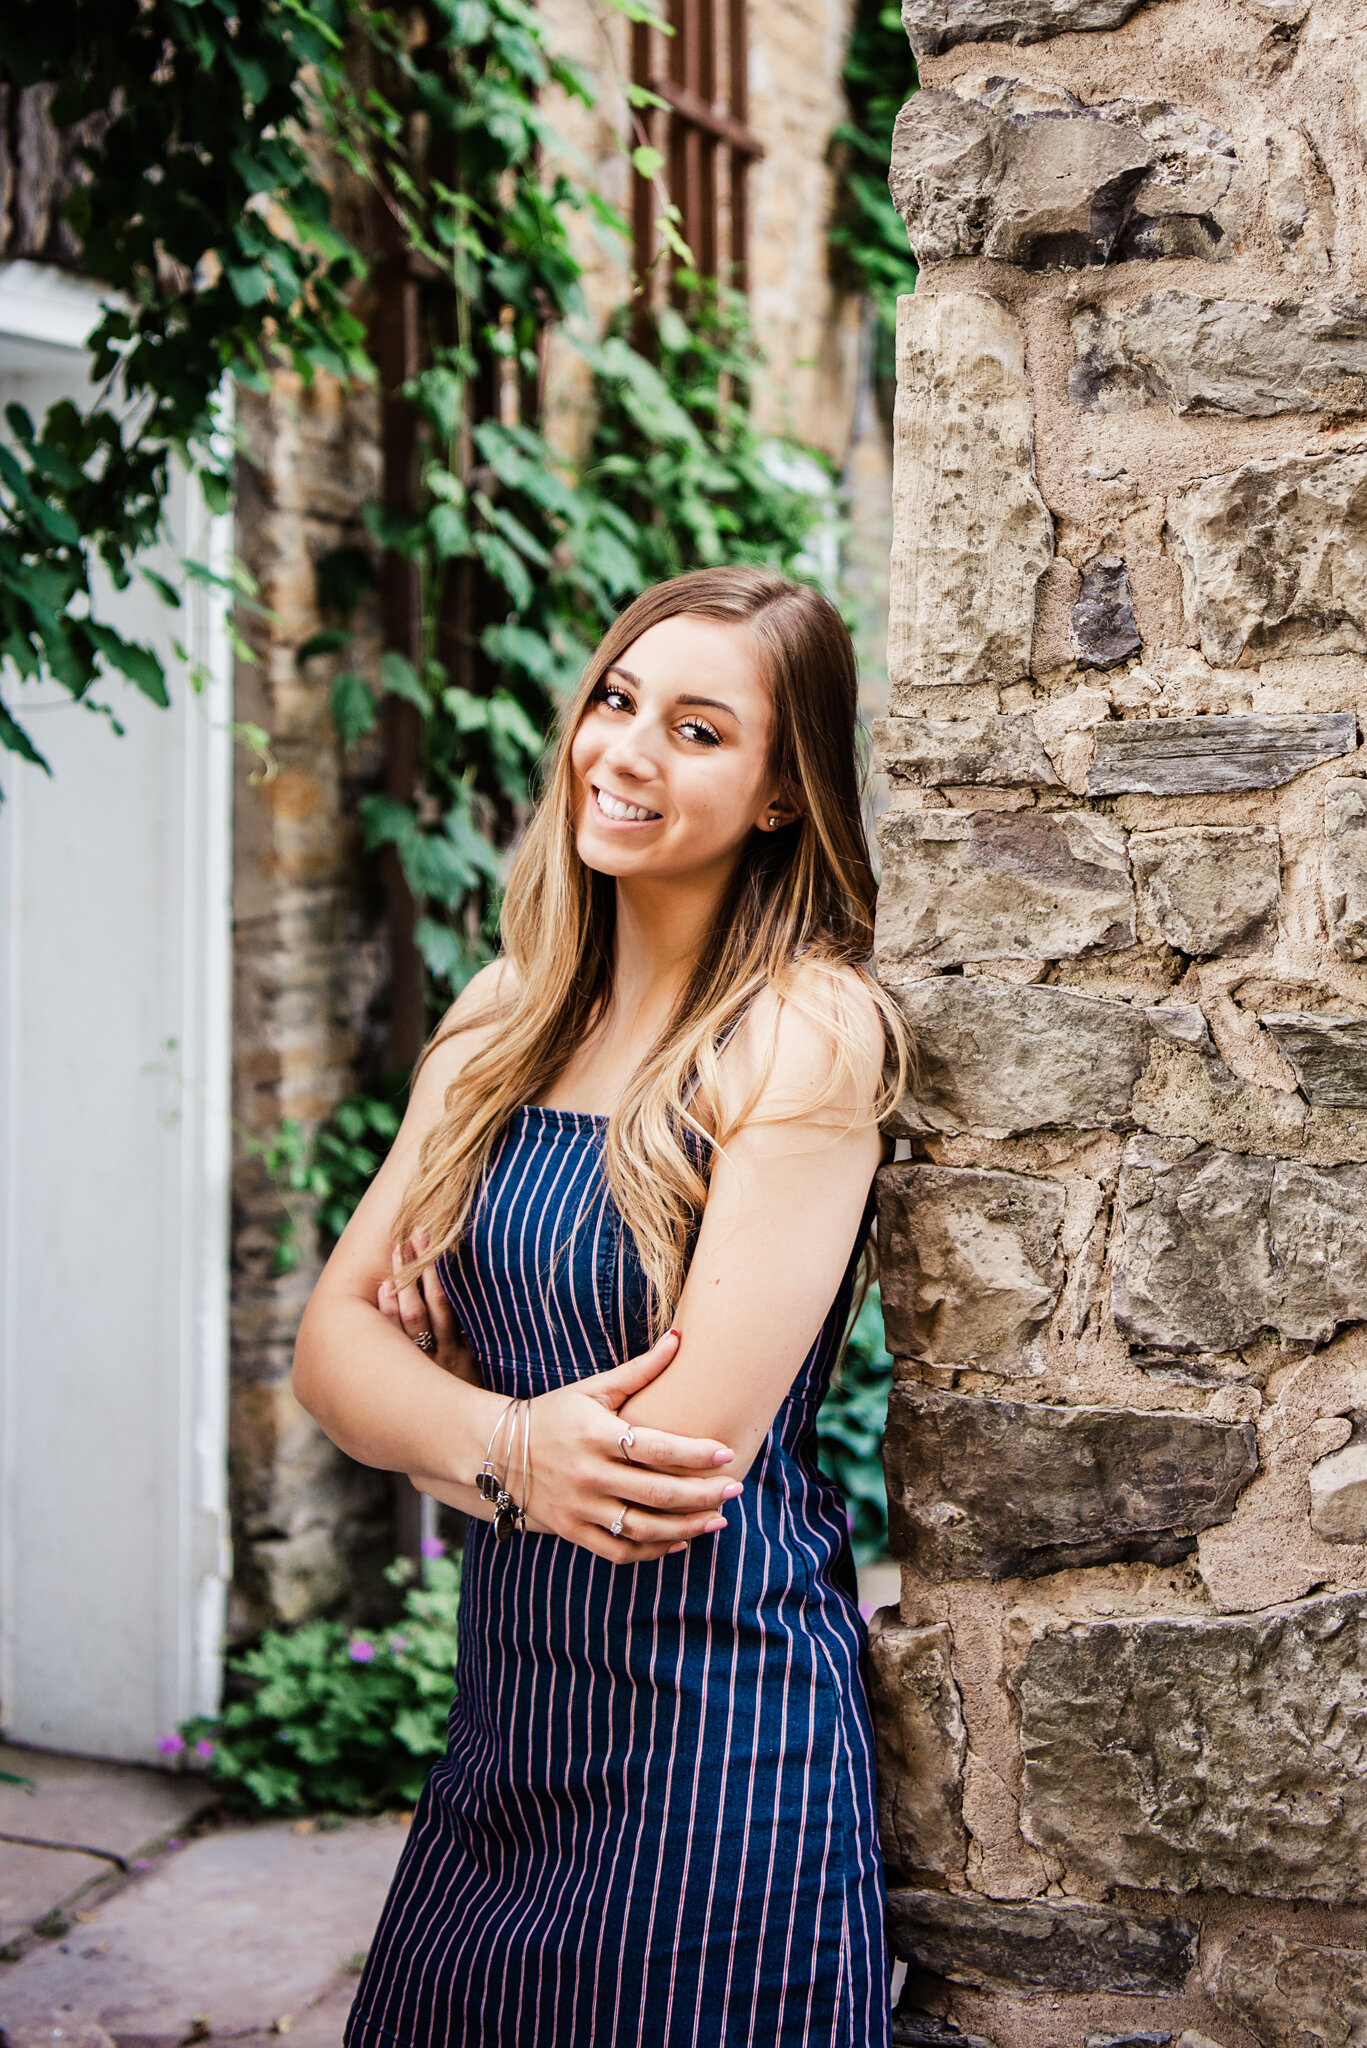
pixel 204 215
pixel 868 240
pixel 330 1168
pixel 850 1429
pixel 332 1717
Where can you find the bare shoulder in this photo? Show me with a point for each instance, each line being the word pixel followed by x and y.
pixel 815 1047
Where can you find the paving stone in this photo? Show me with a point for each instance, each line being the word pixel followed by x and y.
pixel 1345 865
pixel 1327 1054
pixel 1292 1994
pixel 993 1489
pixel 971 534
pixel 970 1263
pixel 120 1809
pixel 1201 756
pixel 204 1933
pixel 1226 356
pixel 59 2031
pixel 994 885
pixel 1212 1752
pixel 1005 752
pixel 1274 557
pixel 1101 623
pixel 1026 173
pixel 1217 1246
pixel 1042 1944
pixel 1001 1058
pixel 921 1742
pixel 1210 889
pixel 936 25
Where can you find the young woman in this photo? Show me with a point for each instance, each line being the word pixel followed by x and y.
pixel 594 1298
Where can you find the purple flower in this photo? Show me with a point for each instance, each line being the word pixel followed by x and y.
pixel 204 1749
pixel 432 1546
pixel 170 1745
pixel 360 1651
pixel 397 1643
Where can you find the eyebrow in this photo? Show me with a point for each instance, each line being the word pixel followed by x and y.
pixel 711 703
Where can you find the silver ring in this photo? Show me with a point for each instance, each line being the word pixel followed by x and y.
pixel 616 1527
pixel 425 1341
pixel 625 1442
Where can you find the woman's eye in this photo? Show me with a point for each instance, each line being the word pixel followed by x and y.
pixel 615 700
pixel 698 729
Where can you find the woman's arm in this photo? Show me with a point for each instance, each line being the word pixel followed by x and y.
pixel 386 1404
pixel 783 1212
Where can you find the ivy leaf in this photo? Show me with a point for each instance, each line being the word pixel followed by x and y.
pixel 400 679
pixel 141 666
pixel 167 592
pixel 16 741
pixel 327 640
pixel 353 706
pixel 647 162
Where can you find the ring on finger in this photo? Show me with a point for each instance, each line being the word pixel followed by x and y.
pixel 625 1442
pixel 426 1342
pixel 616 1528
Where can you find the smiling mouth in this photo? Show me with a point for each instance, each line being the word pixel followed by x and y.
pixel 623 813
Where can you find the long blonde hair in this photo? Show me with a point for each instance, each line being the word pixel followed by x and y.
pixel 804 893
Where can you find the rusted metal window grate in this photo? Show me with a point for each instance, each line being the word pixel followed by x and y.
pixel 701 132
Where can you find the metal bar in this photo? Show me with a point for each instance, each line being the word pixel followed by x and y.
pixel 697 112
pixel 739 87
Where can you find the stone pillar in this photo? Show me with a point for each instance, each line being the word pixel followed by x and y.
pixel 1123 1706
pixel 310 1528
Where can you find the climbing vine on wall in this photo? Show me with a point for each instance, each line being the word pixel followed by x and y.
pixel 868 239
pixel 201 210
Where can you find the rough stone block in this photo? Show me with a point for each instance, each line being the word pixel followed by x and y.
pixel 1292 1994
pixel 936 25
pixel 1300 201
pixel 1147 2039
pixel 1217 1246
pixel 1027 174
pixel 1101 625
pixel 999 1058
pixel 1011 1489
pixel 1001 885
pixel 1338 1490
pixel 970 1263
pixel 912 2028
pixel 1210 889
pixel 922 1742
pixel 1327 1054
pixel 1274 557
pixel 971 534
pixel 1345 865
pixel 1005 752
pixel 1223 1753
pixel 1202 756
pixel 1230 356
pixel 1040 1944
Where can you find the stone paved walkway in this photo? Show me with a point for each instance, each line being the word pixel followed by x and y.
pixel 237 1932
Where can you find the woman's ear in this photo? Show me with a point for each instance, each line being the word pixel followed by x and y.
pixel 783 808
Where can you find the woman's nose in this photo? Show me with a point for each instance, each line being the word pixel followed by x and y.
pixel 630 753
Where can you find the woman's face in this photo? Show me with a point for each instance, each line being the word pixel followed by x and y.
pixel 671 758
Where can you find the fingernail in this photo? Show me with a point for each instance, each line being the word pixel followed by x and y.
pixel 717 1522
pixel 671 1332
pixel 722 1457
pixel 675 1548
pixel 733 1490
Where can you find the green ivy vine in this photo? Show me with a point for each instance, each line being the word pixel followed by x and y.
pixel 868 239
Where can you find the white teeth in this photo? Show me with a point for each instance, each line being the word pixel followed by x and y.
pixel 613 807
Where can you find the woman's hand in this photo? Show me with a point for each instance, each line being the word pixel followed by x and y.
pixel 424 1314
pixel 591 1469
pixel 587 1466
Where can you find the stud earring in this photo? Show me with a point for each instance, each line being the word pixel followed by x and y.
pixel 773 821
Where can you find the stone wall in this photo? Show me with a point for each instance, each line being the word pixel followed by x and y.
pixel 1123 1705
pixel 309 1526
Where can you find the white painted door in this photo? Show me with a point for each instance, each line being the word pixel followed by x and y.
pixel 114 1157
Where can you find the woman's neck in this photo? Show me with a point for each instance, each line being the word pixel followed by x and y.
pixel 662 928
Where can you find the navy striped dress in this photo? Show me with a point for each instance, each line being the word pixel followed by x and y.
pixel 654 1822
